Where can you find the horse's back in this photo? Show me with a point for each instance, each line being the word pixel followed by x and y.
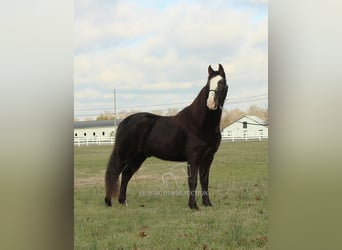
pixel 132 132
pixel 135 126
pixel 152 135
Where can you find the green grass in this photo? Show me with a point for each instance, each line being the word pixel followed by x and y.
pixel 158 217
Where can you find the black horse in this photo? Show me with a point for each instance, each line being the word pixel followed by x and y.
pixel 193 135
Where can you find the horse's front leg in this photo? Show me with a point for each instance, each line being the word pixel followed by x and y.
pixel 204 179
pixel 192 180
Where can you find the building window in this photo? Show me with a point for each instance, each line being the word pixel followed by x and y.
pixel 75 134
pixel 85 134
pixel 103 133
pixel 94 133
pixel 244 124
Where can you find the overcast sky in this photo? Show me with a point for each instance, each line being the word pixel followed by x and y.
pixel 157 53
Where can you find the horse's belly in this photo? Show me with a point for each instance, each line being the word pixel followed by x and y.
pixel 166 148
pixel 166 140
pixel 166 151
pixel 170 156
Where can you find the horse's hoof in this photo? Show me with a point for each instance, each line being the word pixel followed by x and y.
pixel 123 202
pixel 194 206
pixel 207 203
pixel 108 202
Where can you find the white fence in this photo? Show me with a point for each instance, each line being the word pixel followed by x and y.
pixel 86 141
pixel 248 137
pixel 109 140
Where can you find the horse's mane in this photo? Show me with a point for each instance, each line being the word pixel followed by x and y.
pixel 198 113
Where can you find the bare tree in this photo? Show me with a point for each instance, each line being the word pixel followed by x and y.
pixel 257 111
pixel 230 116
pixel 225 119
pixel 106 115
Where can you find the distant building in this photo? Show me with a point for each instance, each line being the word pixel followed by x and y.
pixel 98 132
pixel 246 128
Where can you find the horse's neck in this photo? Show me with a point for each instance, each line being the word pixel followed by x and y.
pixel 200 114
pixel 210 119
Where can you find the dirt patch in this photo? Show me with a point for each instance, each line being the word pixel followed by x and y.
pixel 138 177
pixel 86 182
pixel 95 181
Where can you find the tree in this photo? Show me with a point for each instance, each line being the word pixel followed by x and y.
pixel 157 112
pixel 172 111
pixel 230 116
pixel 257 111
pixel 235 114
pixel 225 119
pixel 266 115
pixel 106 115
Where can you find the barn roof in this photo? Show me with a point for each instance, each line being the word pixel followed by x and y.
pixel 95 124
pixel 255 119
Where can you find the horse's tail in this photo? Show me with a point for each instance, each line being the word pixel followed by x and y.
pixel 112 182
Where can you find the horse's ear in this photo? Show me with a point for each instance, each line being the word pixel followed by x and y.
pixel 221 70
pixel 210 70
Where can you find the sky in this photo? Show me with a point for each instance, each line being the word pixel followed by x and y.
pixel 155 54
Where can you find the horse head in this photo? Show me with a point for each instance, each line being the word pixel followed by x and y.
pixel 217 88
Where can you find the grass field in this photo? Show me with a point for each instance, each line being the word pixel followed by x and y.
pixel 158 217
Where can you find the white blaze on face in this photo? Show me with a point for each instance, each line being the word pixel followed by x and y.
pixel 211 97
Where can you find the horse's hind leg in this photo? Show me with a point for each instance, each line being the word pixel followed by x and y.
pixel 114 169
pixel 132 166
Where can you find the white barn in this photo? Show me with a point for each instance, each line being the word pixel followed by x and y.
pixel 246 128
pixel 90 132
